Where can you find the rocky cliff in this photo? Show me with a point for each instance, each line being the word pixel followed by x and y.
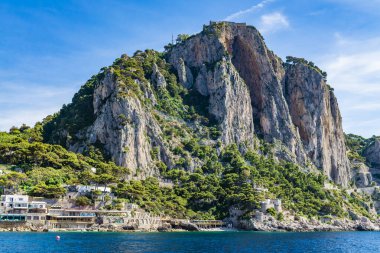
pixel 290 102
pixel 314 111
pixel 236 89
pixel 372 153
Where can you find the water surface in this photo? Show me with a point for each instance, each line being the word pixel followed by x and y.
pixel 191 242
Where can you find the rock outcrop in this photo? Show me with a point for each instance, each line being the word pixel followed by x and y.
pixel 124 127
pixel 315 113
pixel 363 224
pixel 372 153
pixel 249 92
pixel 362 175
pixel 290 104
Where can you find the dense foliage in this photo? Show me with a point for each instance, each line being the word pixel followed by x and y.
pixel 42 169
pixel 72 117
pixel 229 180
pixel 357 145
pixel 226 179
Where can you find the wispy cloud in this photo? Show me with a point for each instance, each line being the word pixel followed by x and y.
pixel 354 71
pixel 30 103
pixel 28 116
pixel 273 22
pixel 245 12
pixel 372 106
pixel 355 67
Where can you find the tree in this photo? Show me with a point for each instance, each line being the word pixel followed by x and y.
pixel 105 179
pixel 12 179
pixel 271 211
pixel 47 191
pixel 82 201
pixel 182 37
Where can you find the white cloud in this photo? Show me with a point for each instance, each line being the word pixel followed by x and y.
pixel 243 13
pixel 273 22
pixel 353 69
pixel 27 116
pixel 21 103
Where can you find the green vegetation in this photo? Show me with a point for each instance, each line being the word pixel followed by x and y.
pixel 295 60
pixel 83 201
pixel 223 181
pixel 228 180
pixel 45 168
pixel 72 117
pixel 357 145
pixel 182 37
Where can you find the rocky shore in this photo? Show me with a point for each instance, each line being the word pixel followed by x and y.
pixel 363 224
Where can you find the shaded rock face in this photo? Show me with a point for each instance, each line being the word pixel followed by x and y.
pixel 215 76
pixel 372 153
pixel 125 129
pixel 230 103
pixel 289 104
pixel 361 175
pixel 314 110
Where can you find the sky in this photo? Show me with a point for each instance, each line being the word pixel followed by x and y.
pixel 48 49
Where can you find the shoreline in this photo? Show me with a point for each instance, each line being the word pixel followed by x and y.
pixel 184 231
pixel 270 225
pixel 306 229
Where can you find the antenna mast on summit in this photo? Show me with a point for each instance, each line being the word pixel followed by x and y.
pixel 172 40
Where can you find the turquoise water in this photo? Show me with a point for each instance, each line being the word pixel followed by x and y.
pixel 191 242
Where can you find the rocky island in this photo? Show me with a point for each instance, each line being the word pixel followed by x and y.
pixel 215 132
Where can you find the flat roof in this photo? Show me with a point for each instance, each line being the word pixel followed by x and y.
pixel 59 216
pixel 12 214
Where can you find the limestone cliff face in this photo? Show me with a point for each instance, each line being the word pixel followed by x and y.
pixel 315 113
pixel 229 103
pixel 372 153
pixel 291 105
pixel 256 66
pixel 248 89
pixel 124 127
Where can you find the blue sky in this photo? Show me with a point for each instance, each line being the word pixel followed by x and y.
pixel 48 49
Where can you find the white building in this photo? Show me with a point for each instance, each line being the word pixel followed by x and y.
pixel 90 188
pixel 70 218
pixel 37 207
pixel 14 203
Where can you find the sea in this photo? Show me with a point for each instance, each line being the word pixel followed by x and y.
pixel 261 242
